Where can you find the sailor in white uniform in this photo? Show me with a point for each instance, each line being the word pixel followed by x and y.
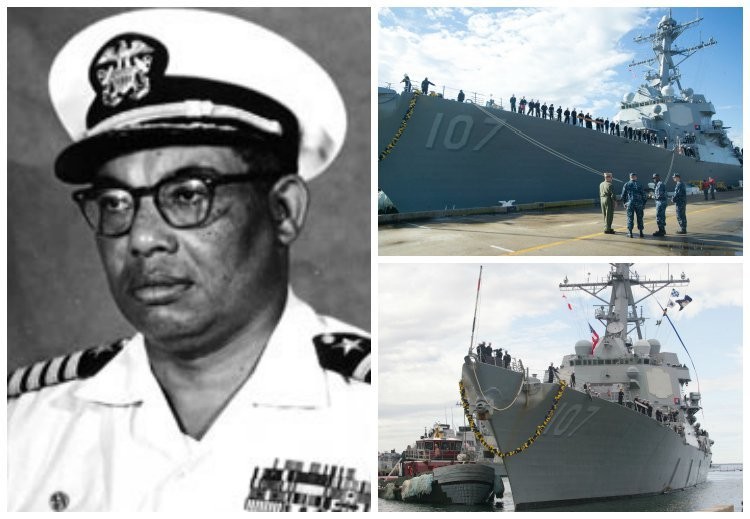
pixel 235 394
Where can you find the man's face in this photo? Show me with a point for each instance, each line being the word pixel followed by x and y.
pixel 187 289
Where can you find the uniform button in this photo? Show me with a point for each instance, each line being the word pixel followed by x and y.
pixel 59 501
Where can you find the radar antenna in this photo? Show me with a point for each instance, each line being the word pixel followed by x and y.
pixel 661 43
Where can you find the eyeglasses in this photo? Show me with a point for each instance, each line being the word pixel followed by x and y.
pixel 184 200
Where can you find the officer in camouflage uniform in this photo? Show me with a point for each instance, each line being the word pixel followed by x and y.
pixel 680 202
pixel 634 199
pixel 607 199
pixel 660 196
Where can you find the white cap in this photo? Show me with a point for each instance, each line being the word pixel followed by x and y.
pixel 155 77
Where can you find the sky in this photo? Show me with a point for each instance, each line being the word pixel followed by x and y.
pixel 575 57
pixel 425 324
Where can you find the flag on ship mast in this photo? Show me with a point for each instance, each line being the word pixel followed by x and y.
pixel 594 338
pixel 566 302
pixel 684 302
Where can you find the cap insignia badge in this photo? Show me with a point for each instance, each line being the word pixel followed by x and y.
pixel 122 70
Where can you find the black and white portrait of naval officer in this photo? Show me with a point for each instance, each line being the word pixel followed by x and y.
pixel 185 258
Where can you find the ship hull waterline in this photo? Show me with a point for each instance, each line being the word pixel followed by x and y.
pixel 458 155
pixel 592 449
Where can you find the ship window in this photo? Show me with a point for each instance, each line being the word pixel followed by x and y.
pixel 645 361
pixel 608 361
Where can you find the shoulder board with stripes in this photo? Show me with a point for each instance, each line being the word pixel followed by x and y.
pixel 344 353
pixel 78 365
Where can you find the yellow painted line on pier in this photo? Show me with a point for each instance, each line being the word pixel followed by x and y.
pixel 586 237
pixel 555 243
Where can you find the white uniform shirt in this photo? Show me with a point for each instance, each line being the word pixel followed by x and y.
pixel 294 435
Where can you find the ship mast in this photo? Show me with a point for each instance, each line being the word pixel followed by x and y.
pixel 620 314
pixel 666 33
pixel 476 308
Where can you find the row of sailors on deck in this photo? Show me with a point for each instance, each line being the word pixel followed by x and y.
pixel 490 356
pixel 603 125
pixel 645 407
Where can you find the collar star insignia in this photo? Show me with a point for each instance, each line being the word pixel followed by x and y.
pixel 348 345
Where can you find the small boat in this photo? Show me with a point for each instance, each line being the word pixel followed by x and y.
pixel 441 469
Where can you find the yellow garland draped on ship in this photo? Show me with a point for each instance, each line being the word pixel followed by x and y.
pixel 401 128
pixel 525 445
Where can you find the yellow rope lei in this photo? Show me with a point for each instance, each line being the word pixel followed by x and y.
pixel 401 128
pixel 525 445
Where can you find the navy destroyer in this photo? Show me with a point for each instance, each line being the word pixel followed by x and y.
pixel 439 154
pixel 628 428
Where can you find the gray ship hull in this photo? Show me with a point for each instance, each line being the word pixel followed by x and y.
pixel 592 449
pixel 458 155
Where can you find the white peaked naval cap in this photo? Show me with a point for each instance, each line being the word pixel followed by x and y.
pixel 158 77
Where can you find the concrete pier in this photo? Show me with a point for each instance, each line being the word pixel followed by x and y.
pixel 714 229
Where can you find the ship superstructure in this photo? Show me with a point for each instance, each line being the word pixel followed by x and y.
pixel 662 106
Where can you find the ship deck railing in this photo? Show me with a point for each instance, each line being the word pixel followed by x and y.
pixel 515 364
pixel 426 455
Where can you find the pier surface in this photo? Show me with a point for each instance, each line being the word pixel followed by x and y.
pixel 714 229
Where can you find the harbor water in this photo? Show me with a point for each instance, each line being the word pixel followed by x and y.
pixel 720 489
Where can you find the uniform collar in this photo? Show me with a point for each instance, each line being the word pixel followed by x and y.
pixel 287 375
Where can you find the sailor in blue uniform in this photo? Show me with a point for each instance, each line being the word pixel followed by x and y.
pixel 660 196
pixel 407 83
pixel 634 198
pixel 191 153
pixel 680 202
